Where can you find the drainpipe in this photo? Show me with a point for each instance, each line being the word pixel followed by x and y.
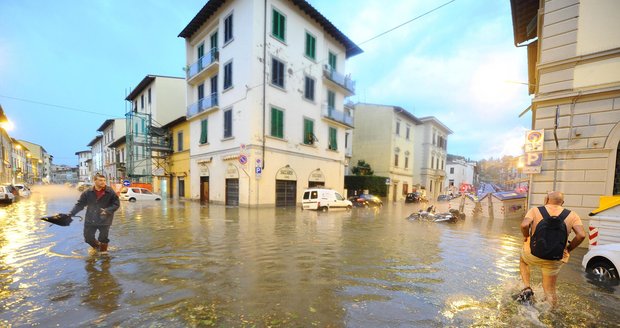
pixel 264 79
pixel 555 137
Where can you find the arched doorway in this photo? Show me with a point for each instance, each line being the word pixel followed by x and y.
pixel 286 187
pixel 316 179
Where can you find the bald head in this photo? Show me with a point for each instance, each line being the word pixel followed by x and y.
pixel 555 198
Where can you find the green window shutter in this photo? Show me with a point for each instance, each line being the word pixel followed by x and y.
pixel 331 100
pixel 279 25
pixel 308 132
pixel 277 124
pixel 203 131
pixel 310 46
pixel 333 143
pixel 332 60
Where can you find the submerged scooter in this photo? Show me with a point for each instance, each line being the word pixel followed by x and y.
pixel 451 216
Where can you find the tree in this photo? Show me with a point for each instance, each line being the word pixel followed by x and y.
pixel 362 168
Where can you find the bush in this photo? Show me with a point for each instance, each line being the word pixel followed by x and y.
pixel 375 184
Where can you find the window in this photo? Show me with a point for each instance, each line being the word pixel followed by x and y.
pixel 407 132
pixel 228 123
pixel 228 75
pixel 331 100
pixel 346 140
pixel 451 170
pixel 180 141
pixel 204 125
pixel 431 186
pixel 308 131
pixel 213 42
pixel 405 188
pixel 277 73
pixel 442 167
pixel 310 46
pixel 397 127
pixel 181 187
pixel 309 88
pixel 142 101
pixel 201 91
pixel 407 162
pixel 333 140
pixel 277 123
pixel 433 162
pixel 396 160
pixel 228 28
pixel 434 138
pixel 149 95
pixel 332 61
pixel 278 28
pixel 135 105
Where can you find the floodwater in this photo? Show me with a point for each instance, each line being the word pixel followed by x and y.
pixel 178 264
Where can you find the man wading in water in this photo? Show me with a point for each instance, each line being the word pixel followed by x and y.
pixel 102 202
pixel 545 244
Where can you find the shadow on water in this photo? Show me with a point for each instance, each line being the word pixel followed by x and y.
pixel 178 263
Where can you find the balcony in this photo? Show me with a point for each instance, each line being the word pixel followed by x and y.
pixel 205 66
pixel 332 114
pixel 338 80
pixel 202 106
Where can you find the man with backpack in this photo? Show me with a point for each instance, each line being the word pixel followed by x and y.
pixel 545 230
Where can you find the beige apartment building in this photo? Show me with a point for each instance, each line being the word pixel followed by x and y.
pixel 266 89
pixel 574 75
pixel 431 152
pixel 384 138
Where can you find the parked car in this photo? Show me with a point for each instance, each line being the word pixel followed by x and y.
pixel 443 198
pixel 133 194
pixel 11 188
pixel 603 261
pixel 23 190
pixel 6 196
pixel 412 197
pixel 323 200
pixel 366 200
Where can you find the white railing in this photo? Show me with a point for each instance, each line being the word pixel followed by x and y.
pixel 202 63
pixel 342 80
pixel 202 105
pixel 336 115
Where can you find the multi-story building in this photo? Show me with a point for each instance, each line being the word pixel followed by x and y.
pixel 39 162
pixel 119 154
pixel 155 102
pixel 431 137
pixel 84 160
pixel 178 162
pixel 64 174
pixel 6 157
pixel 459 172
pixel 266 90
pixel 111 131
pixel 574 75
pixel 384 138
pixel 97 154
pixel 20 162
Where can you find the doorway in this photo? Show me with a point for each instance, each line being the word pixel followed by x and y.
pixel 204 189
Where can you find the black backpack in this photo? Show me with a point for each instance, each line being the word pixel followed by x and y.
pixel 549 239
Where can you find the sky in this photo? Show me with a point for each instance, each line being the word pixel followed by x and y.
pixel 67 65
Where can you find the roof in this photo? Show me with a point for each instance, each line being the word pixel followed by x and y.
pixel 94 141
pixel 436 121
pixel 211 7
pixel 82 151
pixel 605 203
pixel 175 122
pixel 118 142
pixel 524 13
pixel 396 109
pixel 146 81
pixel 105 124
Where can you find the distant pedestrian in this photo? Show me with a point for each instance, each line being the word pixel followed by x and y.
pixel 101 202
pixel 545 230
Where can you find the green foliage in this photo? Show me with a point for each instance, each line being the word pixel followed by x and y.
pixel 362 168
pixel 375 184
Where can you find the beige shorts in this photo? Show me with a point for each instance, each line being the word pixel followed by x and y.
pixel 548 267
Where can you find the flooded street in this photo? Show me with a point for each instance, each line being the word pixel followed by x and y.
pixel 183 264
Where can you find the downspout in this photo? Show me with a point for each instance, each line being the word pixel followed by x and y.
pixel 555 137
pixel 264 79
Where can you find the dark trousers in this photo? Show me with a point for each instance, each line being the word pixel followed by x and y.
pixel 89 234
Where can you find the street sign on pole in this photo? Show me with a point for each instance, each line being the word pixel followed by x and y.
pixel 126 183
pixel 243 159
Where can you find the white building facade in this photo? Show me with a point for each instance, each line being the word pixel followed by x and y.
pixel 84 159
pixel 97 155
pixel 431 139
pixel 458 172
pixel 265 102
pixel 111 131
pixel 384 138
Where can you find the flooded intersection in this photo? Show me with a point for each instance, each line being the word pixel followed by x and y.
pixel 183 264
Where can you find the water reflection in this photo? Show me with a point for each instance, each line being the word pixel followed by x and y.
pixel 182 264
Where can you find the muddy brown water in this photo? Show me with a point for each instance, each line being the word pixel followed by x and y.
pixel 182 264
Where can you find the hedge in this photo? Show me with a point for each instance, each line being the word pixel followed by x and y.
pixel 375 184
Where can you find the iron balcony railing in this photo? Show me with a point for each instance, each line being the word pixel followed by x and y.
pixel 338 78
pixel 202 105
pixel 202 63
pixel 338 116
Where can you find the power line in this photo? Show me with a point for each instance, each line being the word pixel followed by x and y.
pixel 58 106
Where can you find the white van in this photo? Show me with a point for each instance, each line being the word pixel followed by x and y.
pixel 323 199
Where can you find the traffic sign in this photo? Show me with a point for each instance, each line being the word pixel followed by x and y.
pixel 259 170
pixel 243 159
pixel 126 183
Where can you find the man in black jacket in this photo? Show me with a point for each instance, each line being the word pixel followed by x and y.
pixel 101 202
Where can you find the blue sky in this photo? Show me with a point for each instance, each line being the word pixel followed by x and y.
pixel 454 64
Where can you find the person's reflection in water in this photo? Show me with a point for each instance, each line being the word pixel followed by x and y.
pixel 103 289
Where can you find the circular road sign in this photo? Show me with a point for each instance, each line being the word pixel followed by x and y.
pixel 243 159
pixel 126 183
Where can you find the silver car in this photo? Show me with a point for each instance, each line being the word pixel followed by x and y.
pixel 133 194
